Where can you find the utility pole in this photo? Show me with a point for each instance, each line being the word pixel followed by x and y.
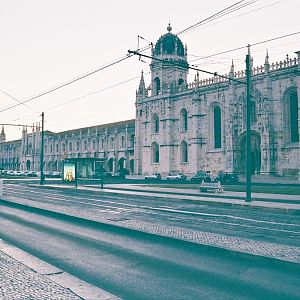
pixel 248 127
pixel 42 153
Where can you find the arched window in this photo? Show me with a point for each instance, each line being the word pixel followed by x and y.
pixel 155 153
pixel 70 146
pixel 217 127
pixel 294 127
pixel 122 141
pixel 132 137
pixel 155 124
pixel 157 86
pixel 253 117
pixel 184 151
pixel 180 83
pixel 183 120
pixel 112 143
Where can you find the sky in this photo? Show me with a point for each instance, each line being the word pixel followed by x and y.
pixel 45 44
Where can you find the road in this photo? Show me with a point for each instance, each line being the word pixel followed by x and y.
pixel 135 265
pixel 245 222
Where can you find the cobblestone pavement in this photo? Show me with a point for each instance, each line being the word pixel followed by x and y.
pixel 277 251
pixel 17 282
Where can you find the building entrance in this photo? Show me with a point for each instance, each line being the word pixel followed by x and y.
pixel 240 153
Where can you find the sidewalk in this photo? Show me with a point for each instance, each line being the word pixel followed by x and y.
pixel 24 276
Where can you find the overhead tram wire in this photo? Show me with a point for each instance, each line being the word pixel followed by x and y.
pixel 213 17
pixel 10 96
pixel 92 93
pixel 189 67
pixel 68 83
pixel 214 73
pixel 232 8
pixel 245 13
pixel 86 95
pixel 243 47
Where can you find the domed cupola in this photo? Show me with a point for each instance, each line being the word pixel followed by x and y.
pixel 169 65
pixel 169 43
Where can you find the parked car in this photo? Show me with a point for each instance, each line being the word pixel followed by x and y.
pixel 55 174
pixel 118 175
pixel 227 178
pixel 99 174
pixel 176 176
pixel 17 173
pixel 199 176
pixel 153 176
pixel 31 174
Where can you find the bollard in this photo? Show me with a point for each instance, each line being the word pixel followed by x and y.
pixel 1 187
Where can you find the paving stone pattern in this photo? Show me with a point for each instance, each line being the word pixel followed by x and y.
pixel 277 251
pixel 18 282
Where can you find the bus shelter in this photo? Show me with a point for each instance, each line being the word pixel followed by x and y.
pixel 83 168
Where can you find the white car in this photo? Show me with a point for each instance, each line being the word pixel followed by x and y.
pixel 176 176
pixel 153 176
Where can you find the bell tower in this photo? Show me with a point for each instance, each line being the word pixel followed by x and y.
pixel 169 65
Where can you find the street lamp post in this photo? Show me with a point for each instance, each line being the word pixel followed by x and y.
pixel 42 153
pixel 248 128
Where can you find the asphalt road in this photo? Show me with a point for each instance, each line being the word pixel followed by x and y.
pixel 135 265
pixel 245 222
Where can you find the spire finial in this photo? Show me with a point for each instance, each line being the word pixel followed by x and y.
pixel 142 87
pixel 267 58
pixel 169 28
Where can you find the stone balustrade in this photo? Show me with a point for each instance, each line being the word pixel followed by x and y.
pixel 287 63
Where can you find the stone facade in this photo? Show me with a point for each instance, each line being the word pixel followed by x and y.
pixel 185 127
pixel 114 142
pixel 202 125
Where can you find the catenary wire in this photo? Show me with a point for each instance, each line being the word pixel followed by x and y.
pixel 67 83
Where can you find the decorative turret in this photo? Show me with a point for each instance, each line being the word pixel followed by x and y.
pixel 2 135
pixel 298 59
pixel 231 73
pixel 142 91
pixel 169 65
pixel 267 64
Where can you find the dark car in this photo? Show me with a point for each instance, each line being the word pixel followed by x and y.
pixel 199 176
pixel 228 178
pixel 99 174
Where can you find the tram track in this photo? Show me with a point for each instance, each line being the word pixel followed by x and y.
pixel 194 216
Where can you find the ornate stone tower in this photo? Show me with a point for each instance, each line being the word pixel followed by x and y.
pixel 2 135
pixel 167 77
